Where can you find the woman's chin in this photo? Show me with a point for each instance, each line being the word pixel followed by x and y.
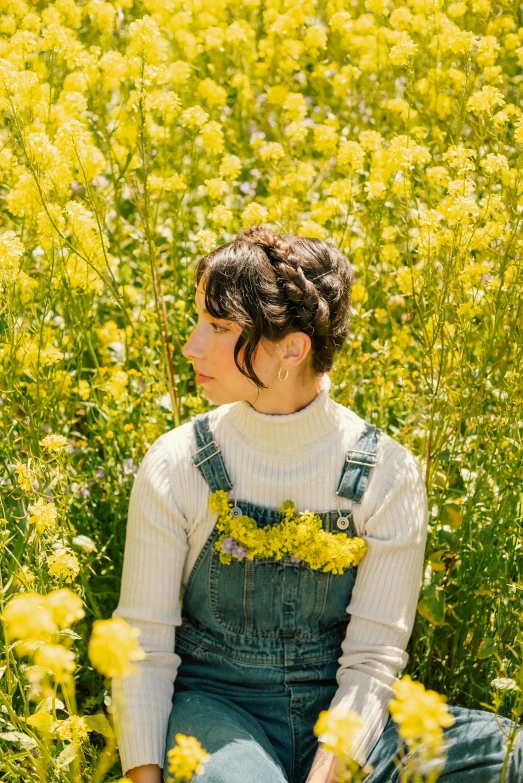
pixel 219 396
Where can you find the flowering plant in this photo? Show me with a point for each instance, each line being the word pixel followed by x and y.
pixel 298 536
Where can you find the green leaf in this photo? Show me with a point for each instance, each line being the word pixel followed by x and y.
pixel 68 633
pixel 453 515
pixel 487 648
pixel 99 723
pixel 67 755
pixel 42 721
pixel 47 704
pixel 18 736
pixel 432 605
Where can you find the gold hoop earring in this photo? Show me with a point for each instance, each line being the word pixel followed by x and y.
pixel 286 376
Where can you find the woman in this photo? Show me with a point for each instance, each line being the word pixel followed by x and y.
pixel 263 644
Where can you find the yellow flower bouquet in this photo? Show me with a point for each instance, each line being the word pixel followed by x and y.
pixel 298 536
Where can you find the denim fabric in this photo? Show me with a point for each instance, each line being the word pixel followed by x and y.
pixel 475 748
pixel 259 644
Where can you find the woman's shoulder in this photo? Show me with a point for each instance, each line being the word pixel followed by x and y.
pixel 178 444
pixel 389 449
pixel 398 468
pixel 180 441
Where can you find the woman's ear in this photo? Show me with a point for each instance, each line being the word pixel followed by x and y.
pixel 295 348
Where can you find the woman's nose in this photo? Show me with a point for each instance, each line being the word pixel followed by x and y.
pixel 191 350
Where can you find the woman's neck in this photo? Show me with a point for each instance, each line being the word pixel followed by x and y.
pixel 287 433
pixel 286 398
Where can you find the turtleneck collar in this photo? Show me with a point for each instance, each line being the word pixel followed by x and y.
pixel 287 433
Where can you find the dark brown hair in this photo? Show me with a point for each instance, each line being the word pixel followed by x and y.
pixel 264 281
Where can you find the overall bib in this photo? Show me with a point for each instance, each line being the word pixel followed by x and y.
pixel 259 644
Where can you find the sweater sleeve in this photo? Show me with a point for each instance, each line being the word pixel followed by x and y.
pixel 384 600
pixel 154 556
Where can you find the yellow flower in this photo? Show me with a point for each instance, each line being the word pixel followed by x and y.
pixel 494 164
pixel 42 515
pixel 402 52
pixel 194 117
pixel 272 151
pixel 216 187
pixel 74 728
pixel 325 139
pixel 254 213
pixel 277 95
pixel 24 476
pixel 186 758
pixel 300 537
pixel 28 617
pixel 64 564
pixel 315 37
pixel 57 659
pixel 230 167
pixel 295 106
pixel 486 99
pixel 11 251
pixel 179 72
pixel 420 713
pixel 113 646
pixel 221 215
pixel 145 40
pixel 352 154
pixel 117 384
pixel 65 606
pixel 212 137
pixel 337 728
pixel 212 93
pixel 53 442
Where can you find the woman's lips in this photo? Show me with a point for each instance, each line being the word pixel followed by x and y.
pixel 203 378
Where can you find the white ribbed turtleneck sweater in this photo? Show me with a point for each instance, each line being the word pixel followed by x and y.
pixel 270 458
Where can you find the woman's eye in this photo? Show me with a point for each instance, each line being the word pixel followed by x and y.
pixel 219 329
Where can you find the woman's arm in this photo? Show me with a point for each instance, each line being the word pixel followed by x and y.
pixel 148 773
pixel 385 595
pixel 154 557
pixel 323 767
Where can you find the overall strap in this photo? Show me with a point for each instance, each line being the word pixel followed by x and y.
pixel 208 458
pixel 358 463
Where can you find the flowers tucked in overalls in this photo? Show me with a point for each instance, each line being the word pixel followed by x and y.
pixel 298 536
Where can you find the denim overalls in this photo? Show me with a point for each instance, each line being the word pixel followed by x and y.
pixel 260 641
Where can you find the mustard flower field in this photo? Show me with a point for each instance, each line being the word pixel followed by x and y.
pixel 136 137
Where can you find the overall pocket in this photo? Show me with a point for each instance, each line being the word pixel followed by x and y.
pixel 267 597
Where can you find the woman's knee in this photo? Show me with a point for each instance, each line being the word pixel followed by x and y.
pixel 238 747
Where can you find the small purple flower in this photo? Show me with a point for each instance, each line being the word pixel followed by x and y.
pixel 228 544
pixel 100 473
pixel 295 559
pixel 248 188
pixel 129 466
pixel 36 485
pixel 85 492
pixel 231 546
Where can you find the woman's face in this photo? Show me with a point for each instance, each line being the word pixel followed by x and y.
pixel 211 349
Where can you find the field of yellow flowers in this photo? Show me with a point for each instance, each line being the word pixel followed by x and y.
pixel 136 136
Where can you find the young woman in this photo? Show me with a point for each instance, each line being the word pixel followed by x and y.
pixel 264 644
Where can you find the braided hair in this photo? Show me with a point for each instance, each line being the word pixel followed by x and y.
pixel 273 284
